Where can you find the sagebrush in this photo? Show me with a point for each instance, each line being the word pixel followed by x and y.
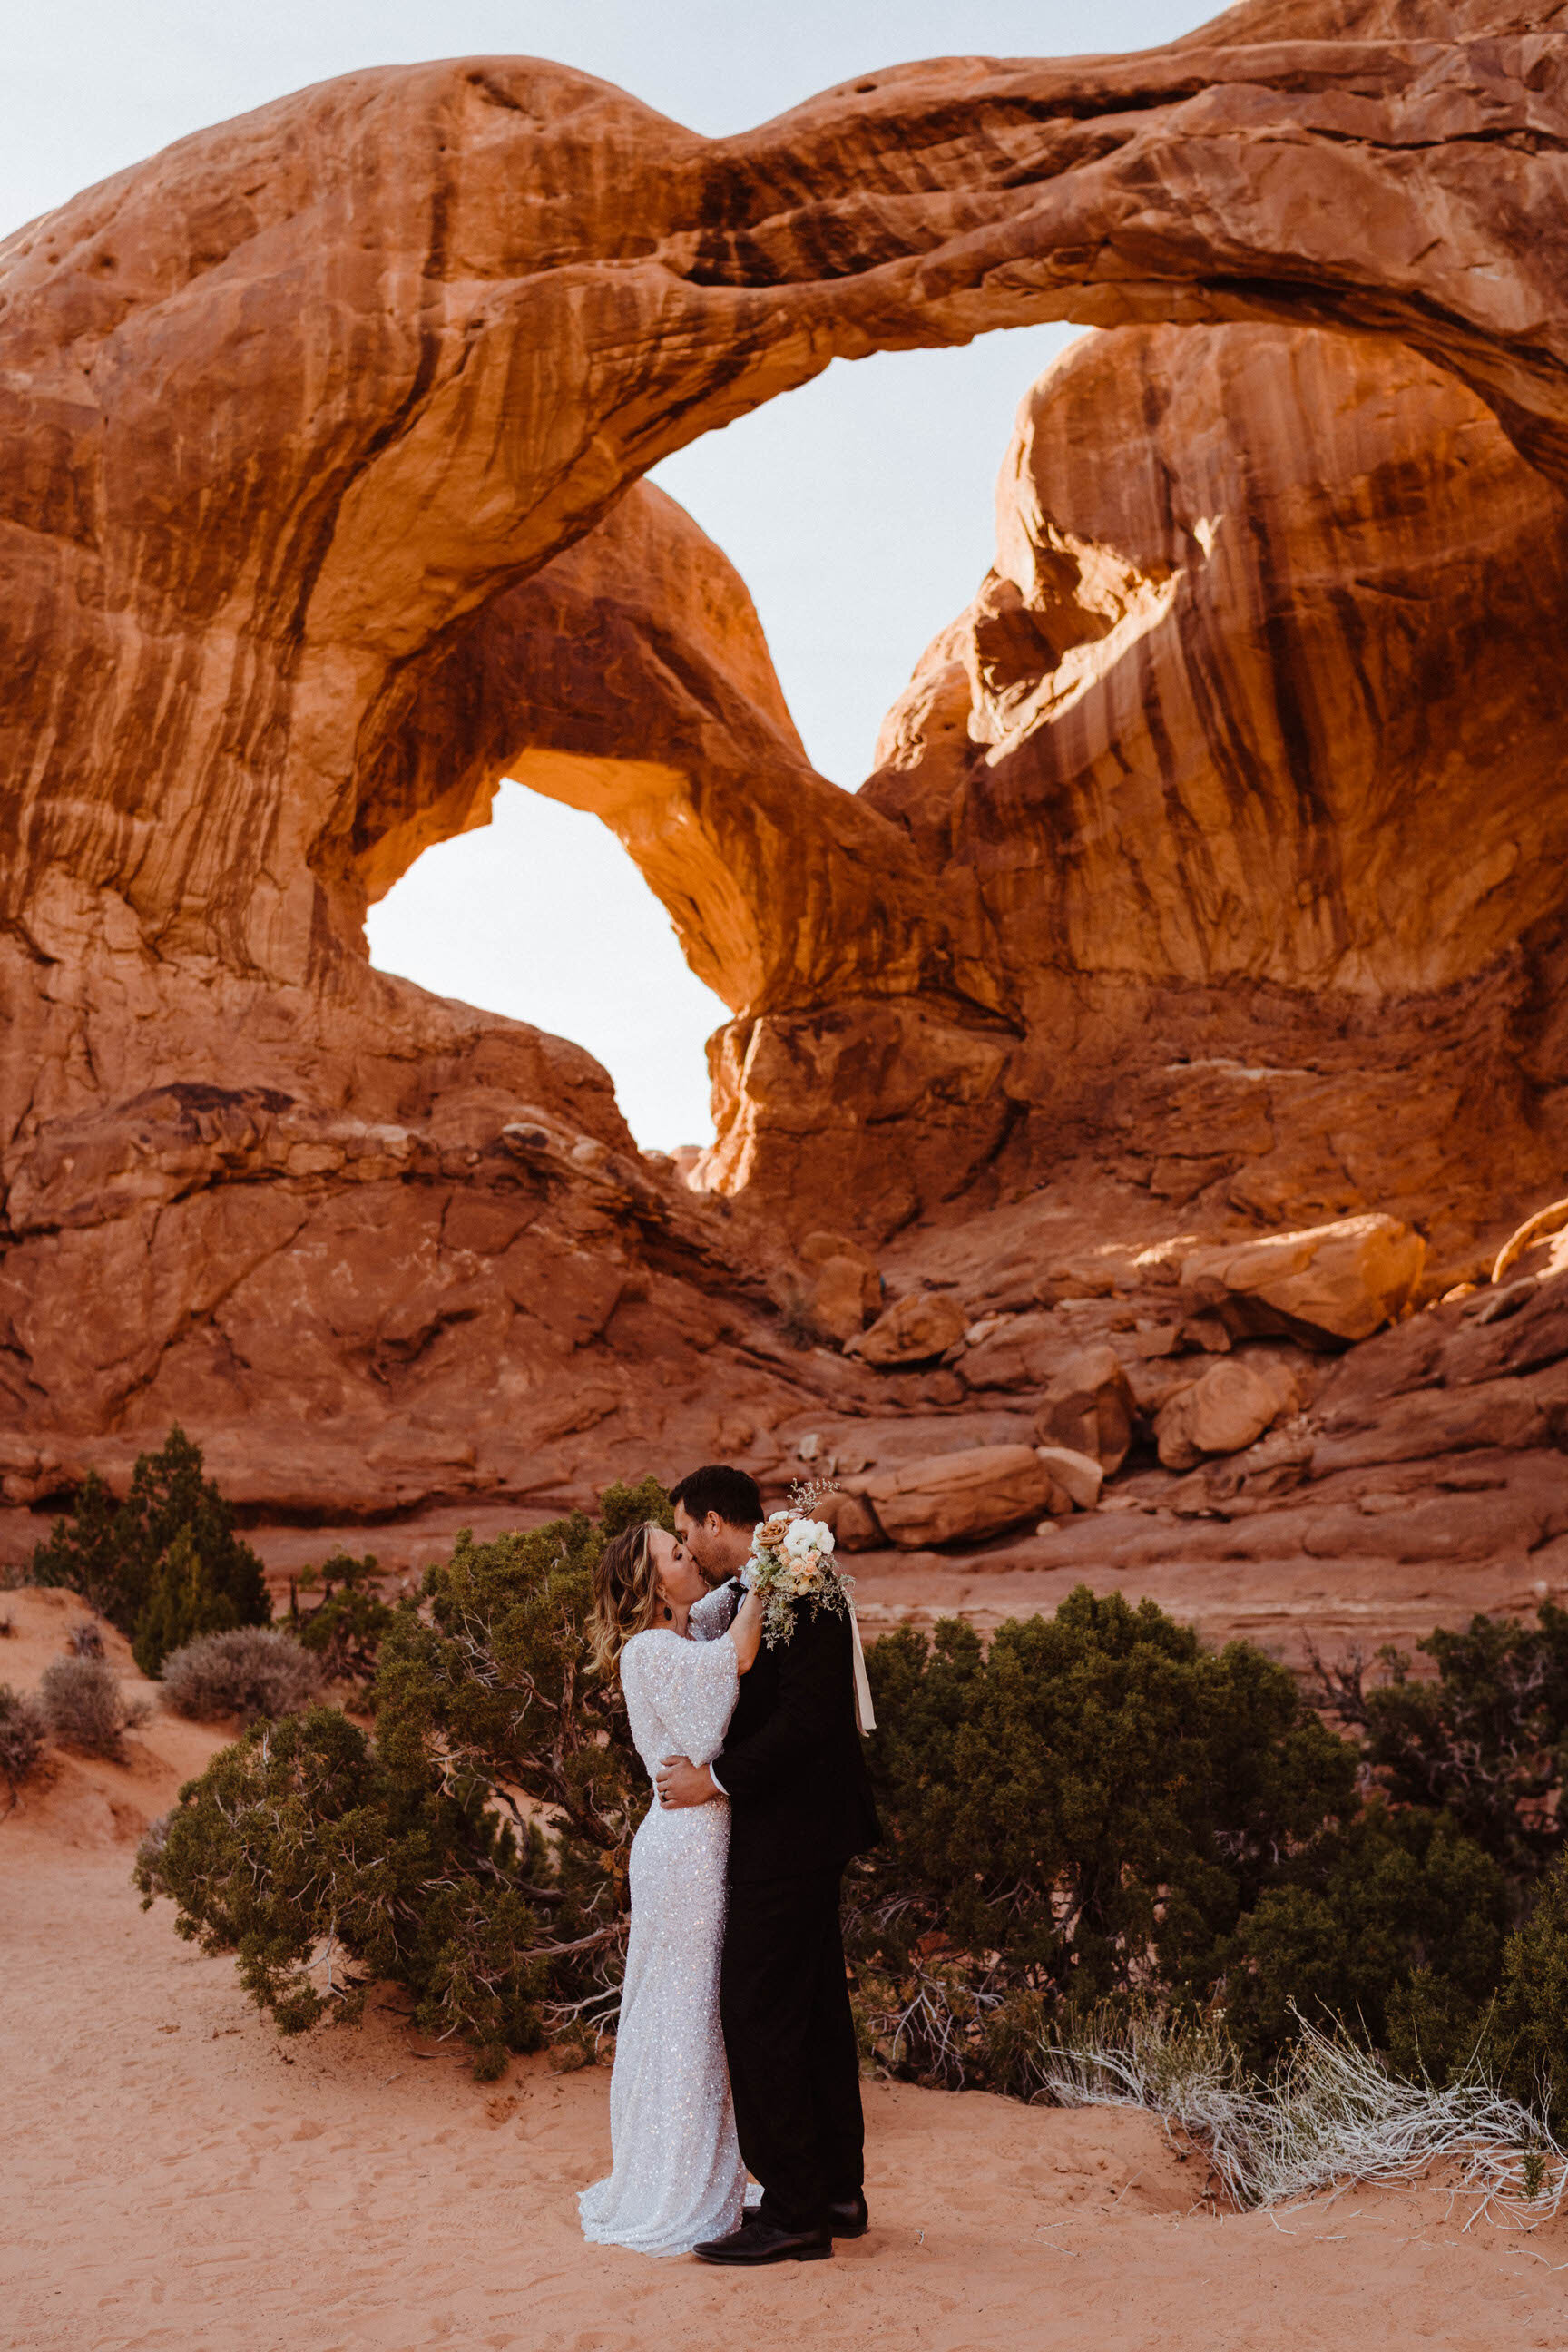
pixel 22 1731
pixel 85 1707
pixel 250 1671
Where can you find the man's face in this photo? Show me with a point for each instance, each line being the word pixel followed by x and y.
pixel 708 1543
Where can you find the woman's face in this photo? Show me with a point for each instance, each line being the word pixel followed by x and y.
pixel 679 1580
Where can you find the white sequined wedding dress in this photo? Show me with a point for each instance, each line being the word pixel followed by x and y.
pixel 677 2176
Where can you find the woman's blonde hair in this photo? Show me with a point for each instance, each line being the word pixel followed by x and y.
pixel 626 1597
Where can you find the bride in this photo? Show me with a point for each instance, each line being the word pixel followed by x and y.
pixel 677 2177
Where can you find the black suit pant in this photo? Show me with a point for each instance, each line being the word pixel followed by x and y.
pixel 789 2037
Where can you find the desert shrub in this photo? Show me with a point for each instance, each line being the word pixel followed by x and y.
pixel 22 1731
pixel 85 1639
pixel 1394 1922
pixel 1096 1809
pixel 300 1851
pixel 250 1671
pixel 163 1566
pixel 344 1627
pixel 85 1707
pixel 1099 1808
pixel 1485 1742
pixel 1522 2035
pixel 1093 1804
pixel 324 1859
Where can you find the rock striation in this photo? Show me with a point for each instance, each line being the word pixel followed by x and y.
pixel 1249 749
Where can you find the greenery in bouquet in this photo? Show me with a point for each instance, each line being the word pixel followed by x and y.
pixel 792 1561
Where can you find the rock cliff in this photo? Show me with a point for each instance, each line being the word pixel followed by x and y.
pixel 1250 750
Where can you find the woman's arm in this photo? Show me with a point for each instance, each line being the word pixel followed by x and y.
pixel 746 1633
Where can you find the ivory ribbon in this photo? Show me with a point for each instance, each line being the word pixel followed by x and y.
pixel 864 1714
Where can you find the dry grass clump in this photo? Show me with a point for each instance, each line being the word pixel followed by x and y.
pixel 85 1707
pixel 1330 2114
pixel 250 1671
pixel 22 1735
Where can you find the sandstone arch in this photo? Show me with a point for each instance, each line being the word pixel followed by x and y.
pixel 305 391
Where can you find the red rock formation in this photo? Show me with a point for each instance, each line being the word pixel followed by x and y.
pixel 317 426
pixel 1251 747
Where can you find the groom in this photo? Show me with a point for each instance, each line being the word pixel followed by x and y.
pixel 800 1805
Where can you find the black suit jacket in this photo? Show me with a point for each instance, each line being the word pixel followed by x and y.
pixel 791 1767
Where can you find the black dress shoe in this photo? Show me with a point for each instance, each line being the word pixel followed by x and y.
pixel 847 2218
pixel 760 2241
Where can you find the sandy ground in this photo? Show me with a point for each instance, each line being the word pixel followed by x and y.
pixel 178 2180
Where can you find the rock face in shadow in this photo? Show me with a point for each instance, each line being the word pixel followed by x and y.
pixel 322 511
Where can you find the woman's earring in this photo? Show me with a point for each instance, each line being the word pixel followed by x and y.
pixel 669 1614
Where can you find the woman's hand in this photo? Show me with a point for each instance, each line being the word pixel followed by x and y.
pixel 746 1633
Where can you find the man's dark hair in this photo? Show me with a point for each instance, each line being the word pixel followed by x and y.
pixel 733 1493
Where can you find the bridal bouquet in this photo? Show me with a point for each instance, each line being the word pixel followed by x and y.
pixel 791 1560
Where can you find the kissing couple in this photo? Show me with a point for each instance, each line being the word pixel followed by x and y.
pixel 736 2047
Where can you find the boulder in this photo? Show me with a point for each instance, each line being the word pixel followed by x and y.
pixel 1078 1475
pixel 1336 1282
pixel 1222 1411
pixel 914 1329
pixel 946 1497
pixel 852 1519
pixel 1089 1408
pixel 845 1286
pixel 1015 1351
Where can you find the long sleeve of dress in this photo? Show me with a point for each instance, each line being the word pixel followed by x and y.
pixel 687 1688
pixel 710 1618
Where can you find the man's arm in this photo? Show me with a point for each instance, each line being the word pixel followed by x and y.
pixel 680 1783
pixel 814 1691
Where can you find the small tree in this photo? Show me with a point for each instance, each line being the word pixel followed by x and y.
pixel 1099 1809
pixel 321 1869
pixel 165 1564
pixel 1393 1922
pixel 87 1553
pixel 345 1628
pixel 1485 1742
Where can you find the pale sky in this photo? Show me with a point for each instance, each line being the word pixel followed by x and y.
pixel 858 510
